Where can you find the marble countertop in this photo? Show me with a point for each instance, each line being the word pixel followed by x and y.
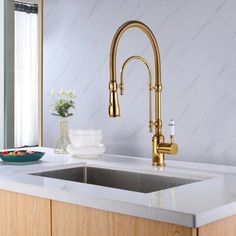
pixel 192 205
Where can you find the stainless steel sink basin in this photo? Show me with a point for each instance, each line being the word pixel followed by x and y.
pixel 131 181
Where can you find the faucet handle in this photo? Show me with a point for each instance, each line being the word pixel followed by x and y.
pixel 172 130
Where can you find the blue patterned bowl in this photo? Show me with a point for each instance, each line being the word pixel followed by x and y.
pixel 27 157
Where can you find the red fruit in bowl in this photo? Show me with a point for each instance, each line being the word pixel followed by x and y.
pixel 4 152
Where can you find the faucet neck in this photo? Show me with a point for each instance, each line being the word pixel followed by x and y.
pixel 158 86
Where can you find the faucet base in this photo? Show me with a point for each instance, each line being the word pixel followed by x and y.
pixel 158 160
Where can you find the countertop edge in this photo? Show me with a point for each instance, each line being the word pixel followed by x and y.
pixel 162 215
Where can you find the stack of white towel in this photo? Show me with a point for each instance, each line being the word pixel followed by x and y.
pixel 85 143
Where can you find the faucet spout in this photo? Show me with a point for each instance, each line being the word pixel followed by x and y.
pixel 158 146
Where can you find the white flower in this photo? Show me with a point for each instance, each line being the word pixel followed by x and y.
pixel 71 93
pixel 53 93
pixel 62 92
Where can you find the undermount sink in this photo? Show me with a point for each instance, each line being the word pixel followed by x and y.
pixel 132 181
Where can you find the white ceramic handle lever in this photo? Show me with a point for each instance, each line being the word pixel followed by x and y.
pixel 172 130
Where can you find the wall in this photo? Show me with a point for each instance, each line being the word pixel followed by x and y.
pixel 1 74
pixel 197 41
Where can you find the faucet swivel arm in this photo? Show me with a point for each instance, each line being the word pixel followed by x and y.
pixel 159 147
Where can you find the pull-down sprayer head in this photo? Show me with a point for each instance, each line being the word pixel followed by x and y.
pixel 114 107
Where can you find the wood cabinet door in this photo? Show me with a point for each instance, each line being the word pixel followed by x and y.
pixel 74 220
pixel 224 227
pixel 24 215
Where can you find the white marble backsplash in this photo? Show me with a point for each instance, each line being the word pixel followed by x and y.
pixel 197 41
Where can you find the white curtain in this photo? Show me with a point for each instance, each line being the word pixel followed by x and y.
pixel 26 79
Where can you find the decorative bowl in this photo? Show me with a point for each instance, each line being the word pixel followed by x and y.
pixel 82 138
pixel 86 152
pixel 85 132
pixel 21 156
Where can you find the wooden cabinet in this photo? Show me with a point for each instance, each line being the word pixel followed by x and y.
pixel 24 215
pixel 225 227
pixel 73 220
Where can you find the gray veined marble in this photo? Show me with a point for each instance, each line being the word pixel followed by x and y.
pixel 197 44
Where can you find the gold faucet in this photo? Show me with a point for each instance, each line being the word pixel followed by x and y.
pixel 159 147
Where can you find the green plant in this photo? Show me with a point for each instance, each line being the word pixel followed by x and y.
pixel 63 102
